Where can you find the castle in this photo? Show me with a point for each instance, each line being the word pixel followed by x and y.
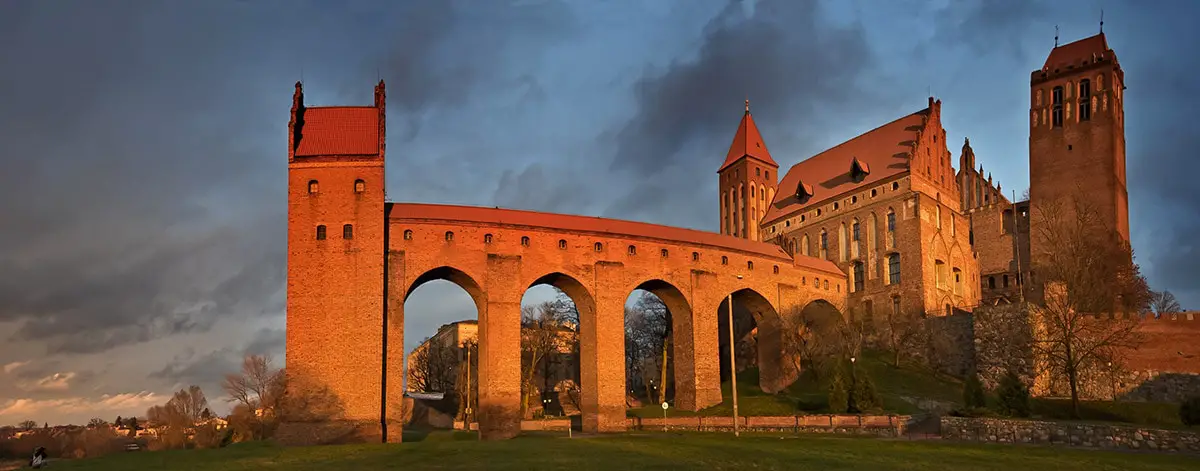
pixel 879 225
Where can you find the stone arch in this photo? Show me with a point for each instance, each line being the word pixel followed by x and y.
pixel 453 275
pixel 757 329
pixel 683 354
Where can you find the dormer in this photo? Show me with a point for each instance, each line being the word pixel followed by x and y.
pixel 803 192
pixel 859 170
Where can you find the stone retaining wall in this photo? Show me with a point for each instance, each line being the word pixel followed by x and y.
pixel 880 425
pixel 1070 434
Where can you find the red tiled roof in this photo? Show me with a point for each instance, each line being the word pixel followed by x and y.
pixel 882 151
pixel 748 142
pixel 1072 53
pixel 612 227
pixel 339 130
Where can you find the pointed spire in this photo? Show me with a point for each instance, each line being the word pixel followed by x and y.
pixel 747 142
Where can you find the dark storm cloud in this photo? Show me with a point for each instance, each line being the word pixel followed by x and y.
pixel 786 57
pixel 207 369
pixel 995 26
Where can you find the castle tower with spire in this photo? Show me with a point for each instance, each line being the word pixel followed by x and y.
pixel 747 180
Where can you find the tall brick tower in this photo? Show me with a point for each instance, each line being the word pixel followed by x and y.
pixel 335 267
pixel 748 180
pixel 1077 133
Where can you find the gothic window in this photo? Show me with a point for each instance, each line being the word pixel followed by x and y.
pixel 449 236
pixel 804 245
pixel 958 275
pixel 632 250
pixel 751 191
pixel 824 245
pixel 599 246
pixel 562 243
pixel 953 228
pixel 313 187
pixel 1085 100
pixel 1057 98
pixel 348 231
pixel 775 269
pixel 896 306
pixel 757 172
pixel 321 232
pixel 487 238
pixel 360 186
pixel 940 270
pixel 842 242
pixel 893 268
pixel 525 241
pixel 408 234
pixel 859 276
pixel 856 231
pixel 891 228
pixel 695 256
pixel 1038 98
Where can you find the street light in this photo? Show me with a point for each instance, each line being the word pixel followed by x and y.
pixel 733 366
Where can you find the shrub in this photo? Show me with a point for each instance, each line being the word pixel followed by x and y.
pixel 1013 396
pixel 838 396
pixel 863 396
pixel 973 397
pixel 1189 411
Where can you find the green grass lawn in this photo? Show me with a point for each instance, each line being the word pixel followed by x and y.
pixel 641 451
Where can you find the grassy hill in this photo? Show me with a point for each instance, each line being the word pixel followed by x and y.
pixel 905 390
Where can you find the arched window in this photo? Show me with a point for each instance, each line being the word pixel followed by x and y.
pixel 940 271
pixel 938 214
pixel 749 265
pixel 360 186
pixel 804 245
pixel 664 253
pixel 695 256
pixel 893 268
pixel 449 236
pixel 347 231
pixel 1085 100
pixel 562 244
pixel 895 186
pixel 724 260
pixel 487 238
pixel 775 269
pixel 891 228
pixel 958 275
pixel 816 282
pixel 632 250
pixel 855 238
pixel 598 246
pixel 859 277
pixel 313 187
pixel 826 283
pixel 408 235
pixel 1056 98
pixel 525 241
pixel 321 232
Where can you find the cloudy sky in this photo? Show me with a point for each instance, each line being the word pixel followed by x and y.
pixel 143 160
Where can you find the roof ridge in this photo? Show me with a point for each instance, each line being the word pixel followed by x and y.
pixel 848 141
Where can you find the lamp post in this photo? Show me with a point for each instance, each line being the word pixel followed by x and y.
pixel 733 366
pixel 1112 381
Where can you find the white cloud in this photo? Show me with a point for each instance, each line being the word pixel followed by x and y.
pixel 77 409
pixel 54 382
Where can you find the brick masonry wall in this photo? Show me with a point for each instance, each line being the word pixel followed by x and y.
pixel 1069 434
pixel 883 425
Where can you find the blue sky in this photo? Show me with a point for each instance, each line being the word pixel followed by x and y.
pixel 143 161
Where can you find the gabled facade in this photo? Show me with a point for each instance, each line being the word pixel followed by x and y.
pixel 885 208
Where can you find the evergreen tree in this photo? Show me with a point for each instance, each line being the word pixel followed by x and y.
pixel 863 396
pixel 1013 396
pixel 838 396
pixel 973 397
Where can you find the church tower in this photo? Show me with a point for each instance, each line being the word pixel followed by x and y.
pixel 1077 133
pixel 748 180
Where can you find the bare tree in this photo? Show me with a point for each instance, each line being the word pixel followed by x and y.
pixel 812 339
pixel 1089 273
pixel 97 422
pixel 259 391
pixel 27 425
pixel 433 367
pixel 902 330
pixel 1163 302
pixel 542 334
